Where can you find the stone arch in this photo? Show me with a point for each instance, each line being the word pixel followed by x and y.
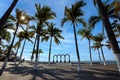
pixel 59 58
pixel 62 55
pixel 68 57
pixel 54 58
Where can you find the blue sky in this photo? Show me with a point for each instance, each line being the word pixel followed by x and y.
pixel 67 46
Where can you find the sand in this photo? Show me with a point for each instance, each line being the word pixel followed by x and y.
pixel 59 72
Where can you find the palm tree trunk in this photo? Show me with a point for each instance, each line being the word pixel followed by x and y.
pixel 90 53
pixel 77 51
pixel 36 59
pixel 118 61
pixel 103 56
pixel 50 50
pixel 16 53
pixel 17 50
pixel 33 50
pixel 22 51
pixel 6 15
pixel 99 54
pixel 18 47
pixel 109 31
pixel 9 50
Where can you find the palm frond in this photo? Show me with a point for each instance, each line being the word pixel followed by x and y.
pixel 79 4
pixel 32 27
pixel 38 7
pixel 81 20
pixel 65 19
pixel 22 28
pixel 11 18
pixel 93 20
pixel 85 33
pixel 61 37
pixel 56 40
pixel 17 44
pixel 30 40
pixel 95 3
pixel 10 26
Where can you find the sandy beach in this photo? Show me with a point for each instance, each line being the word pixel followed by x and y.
pixel 25 71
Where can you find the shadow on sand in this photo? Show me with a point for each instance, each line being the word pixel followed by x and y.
pixel 62 74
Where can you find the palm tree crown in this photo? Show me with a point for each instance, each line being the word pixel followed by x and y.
pixel 55 33
pixel 73 14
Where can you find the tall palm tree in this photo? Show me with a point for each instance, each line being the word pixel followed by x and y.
pixel 86 33
pixel 4 18
pixel 39 35
pixel 34 29
pixel 16 22
pixel 74 14
pixel 53 33
pixel 43 14
pixel 26 35
pixel 95 19
pixel 109 31
pixel 98 40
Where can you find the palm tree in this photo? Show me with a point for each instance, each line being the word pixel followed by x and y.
pixel 39 35
pixel 26 35
pixel 34 29
pixel 73 14
pixel 96 46
pixel 53 33
pixel 86 33
pixel 109 10
pixel 4 18
pixel 42 15
pixel 25 19
pixel 16 21
pixel 109 31
pixel 98 40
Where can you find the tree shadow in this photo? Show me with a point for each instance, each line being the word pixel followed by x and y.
pixel 62 74
pixel 108 74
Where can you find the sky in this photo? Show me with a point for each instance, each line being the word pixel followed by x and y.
pixel 67 45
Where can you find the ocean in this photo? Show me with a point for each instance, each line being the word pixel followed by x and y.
pixel 82 62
